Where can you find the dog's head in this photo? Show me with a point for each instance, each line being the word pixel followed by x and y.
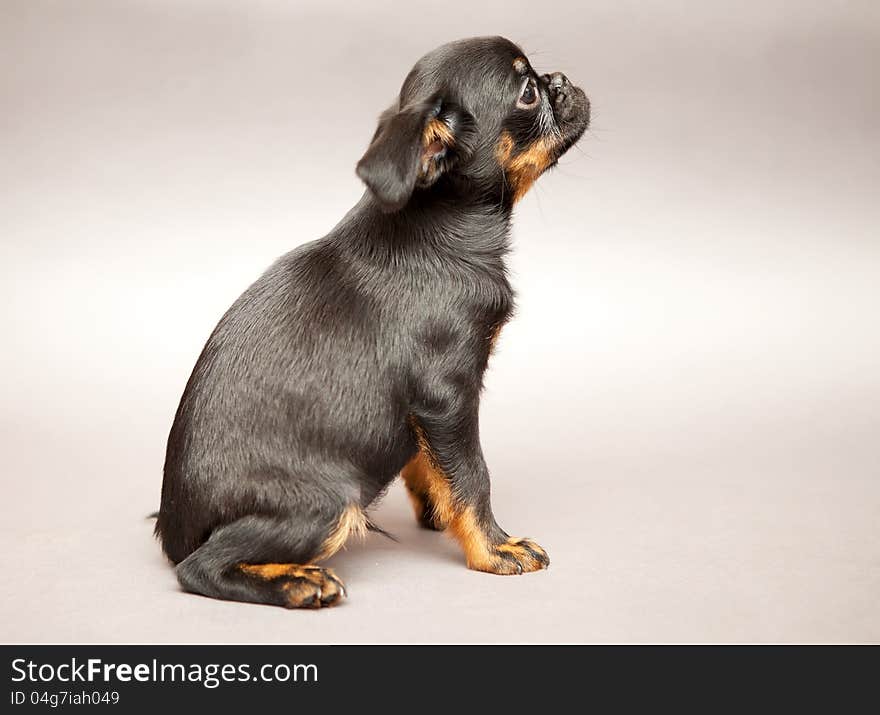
pixel 475 112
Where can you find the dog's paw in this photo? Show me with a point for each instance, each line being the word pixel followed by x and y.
pixel 514 556
pixel 311 587
pixel 294 585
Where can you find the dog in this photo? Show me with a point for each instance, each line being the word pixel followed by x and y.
pixel 360 357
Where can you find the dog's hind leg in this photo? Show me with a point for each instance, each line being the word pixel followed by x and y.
pixel 263 559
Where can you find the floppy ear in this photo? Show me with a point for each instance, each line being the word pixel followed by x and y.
pixel 412 147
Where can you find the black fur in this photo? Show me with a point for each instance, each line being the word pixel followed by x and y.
pixel 303 399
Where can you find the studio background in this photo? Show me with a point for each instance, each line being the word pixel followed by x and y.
pixel 684 412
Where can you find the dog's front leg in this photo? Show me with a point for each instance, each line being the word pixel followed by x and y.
pixel 449 481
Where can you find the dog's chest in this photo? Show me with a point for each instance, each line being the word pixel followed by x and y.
pixel 458 307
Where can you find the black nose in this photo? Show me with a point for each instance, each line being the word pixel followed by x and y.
pixel 557 83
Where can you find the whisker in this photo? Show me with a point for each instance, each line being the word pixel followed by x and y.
pixel 569 174
pixel 537 195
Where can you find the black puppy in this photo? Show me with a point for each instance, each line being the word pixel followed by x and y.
pixel 360 356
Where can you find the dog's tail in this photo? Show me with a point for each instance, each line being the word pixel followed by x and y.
pixel 372 526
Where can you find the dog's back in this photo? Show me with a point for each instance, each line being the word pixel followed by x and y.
pixel 291 397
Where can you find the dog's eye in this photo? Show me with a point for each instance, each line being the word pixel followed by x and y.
pixel 528 97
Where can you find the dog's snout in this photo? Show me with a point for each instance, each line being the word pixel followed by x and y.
pixel 557 83
pixel 568 101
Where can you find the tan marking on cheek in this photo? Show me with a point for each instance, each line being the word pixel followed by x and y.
pixel 504 148
pixel 524 168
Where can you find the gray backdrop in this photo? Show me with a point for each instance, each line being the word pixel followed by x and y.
pixel 684 413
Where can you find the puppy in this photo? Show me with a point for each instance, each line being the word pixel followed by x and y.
pixel 360 357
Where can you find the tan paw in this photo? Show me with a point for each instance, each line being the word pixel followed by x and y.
pixel 514 556
pixel 312 587
pixel 299 586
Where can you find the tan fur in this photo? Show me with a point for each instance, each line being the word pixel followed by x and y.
pixel 472 537
pixel 416 496
pixel 423 475
pixel 524 168
pixel 435 130
pixel 493 337
pixel 352 522
pixel 435 137
pixel 269 571
pixel 304 585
